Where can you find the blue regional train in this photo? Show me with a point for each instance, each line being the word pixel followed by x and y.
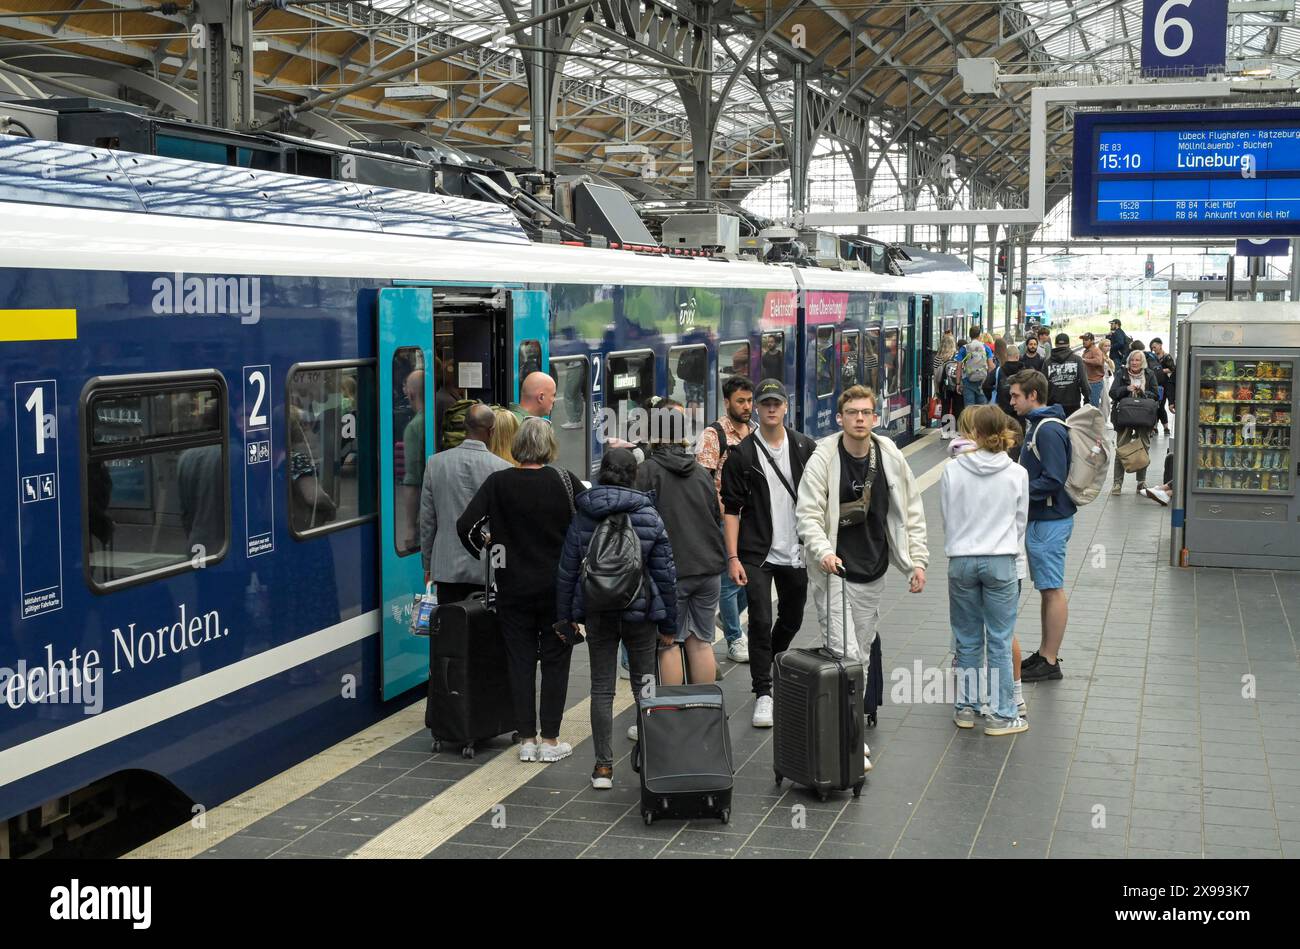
pixel 219 386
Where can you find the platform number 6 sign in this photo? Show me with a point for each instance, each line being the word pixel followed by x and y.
pixel 1184 37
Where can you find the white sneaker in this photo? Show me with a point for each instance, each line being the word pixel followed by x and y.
pixel 763 712
pixel 739 650
pixel 528 751
pixel 866 759
pixel 549 753
pixel 633 734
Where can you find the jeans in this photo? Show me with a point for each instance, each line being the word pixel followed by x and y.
pixel 605 631
pixel 766 638
pixel 731 602
pixel 1094 397
pixel 983 594
pixel 526 629
pixel 973 393
pixel 863 613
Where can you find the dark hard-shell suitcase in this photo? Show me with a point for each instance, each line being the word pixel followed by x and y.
pixel 683 753
pixel 818 699
pixel 469 692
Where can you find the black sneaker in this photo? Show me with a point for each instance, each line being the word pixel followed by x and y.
pixel 1031 661
pixel 1041 671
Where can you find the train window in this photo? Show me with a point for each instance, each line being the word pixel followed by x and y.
pixel 331 462
pixel 530 358
pixel 905 358
pixel 825 361
pixel 891 361
pixel 688 376
pixel 571 412
pixel 733 360
pixel 850 361
pixel 409 453
pixel 871 359
pixel 157 480
pixel 630 380
pixel 772 357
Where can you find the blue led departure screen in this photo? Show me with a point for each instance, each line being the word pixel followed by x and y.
pixel 1218 172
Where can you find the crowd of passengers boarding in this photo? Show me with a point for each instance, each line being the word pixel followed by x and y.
pixel 755 516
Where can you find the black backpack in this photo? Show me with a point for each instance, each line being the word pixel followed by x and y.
pixel 611 571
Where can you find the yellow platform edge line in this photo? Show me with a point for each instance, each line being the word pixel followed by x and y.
pixel 26 326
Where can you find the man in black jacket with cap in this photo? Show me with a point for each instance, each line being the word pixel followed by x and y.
pixel 1067 377
pixel 760 485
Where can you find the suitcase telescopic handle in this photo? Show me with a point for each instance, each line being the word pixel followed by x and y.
pixel 844 613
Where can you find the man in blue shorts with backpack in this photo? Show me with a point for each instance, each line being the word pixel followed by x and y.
pixel 1051 515
pixel 975 361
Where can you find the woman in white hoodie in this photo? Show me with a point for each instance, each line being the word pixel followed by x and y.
pixel 984 498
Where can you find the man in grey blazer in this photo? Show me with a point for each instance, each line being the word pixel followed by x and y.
pixel 450 480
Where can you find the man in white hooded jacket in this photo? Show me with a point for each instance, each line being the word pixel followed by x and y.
pixel 859 511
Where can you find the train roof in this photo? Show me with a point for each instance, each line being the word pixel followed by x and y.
pixel 174 214
pixel 34 171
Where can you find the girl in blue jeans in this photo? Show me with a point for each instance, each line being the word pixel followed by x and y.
pixel 984 497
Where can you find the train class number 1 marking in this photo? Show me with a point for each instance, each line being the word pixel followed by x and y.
pixel 40 519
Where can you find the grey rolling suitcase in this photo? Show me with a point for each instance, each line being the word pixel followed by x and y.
pixel 817 724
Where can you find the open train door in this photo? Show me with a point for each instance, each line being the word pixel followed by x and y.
pixel 406 388
pixel 438 345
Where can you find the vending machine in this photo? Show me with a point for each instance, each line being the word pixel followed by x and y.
pixel 1235 499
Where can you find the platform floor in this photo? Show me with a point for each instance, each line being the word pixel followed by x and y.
pixel 1148 747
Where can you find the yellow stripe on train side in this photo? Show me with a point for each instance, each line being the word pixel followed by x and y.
pixel 23 326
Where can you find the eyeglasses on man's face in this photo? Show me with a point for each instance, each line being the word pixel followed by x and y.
pixel 859 413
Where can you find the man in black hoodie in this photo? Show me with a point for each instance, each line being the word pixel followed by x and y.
pixel 1067 377
pixel 688 503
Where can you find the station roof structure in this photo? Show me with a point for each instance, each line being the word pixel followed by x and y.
pixel 874 75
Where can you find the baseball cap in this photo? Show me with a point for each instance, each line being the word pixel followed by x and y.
pixel 1114 322
pixel 1087 336
pixel 771 389
pixel 1062 339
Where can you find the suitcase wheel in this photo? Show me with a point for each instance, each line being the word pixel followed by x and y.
pixel 823 795
pixel 467 752
pixel 437 745
pixel 871 719
pixel 857 788
pixel 648 817
pixel 725 816
pixel 779 778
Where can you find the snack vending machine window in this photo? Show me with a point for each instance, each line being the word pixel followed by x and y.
pixel 1243 431
pixel 1238 504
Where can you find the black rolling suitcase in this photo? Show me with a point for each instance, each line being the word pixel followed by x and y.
pixel 817 718
pixel 469 691
pixel 683 753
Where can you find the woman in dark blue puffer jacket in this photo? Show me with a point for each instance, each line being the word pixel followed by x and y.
pixel 654 607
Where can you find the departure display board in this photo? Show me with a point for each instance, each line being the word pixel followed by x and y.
pixel 1187 174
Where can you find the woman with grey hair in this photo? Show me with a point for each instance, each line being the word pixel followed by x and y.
pixel 519 517
pixel 1133 381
